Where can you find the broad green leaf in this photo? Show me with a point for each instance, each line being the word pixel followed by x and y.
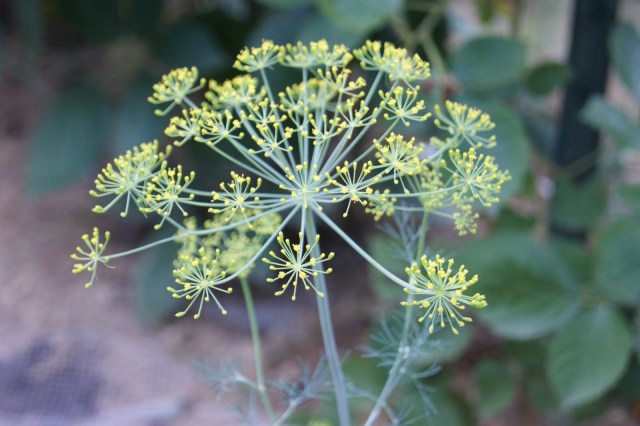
pixel 636 341
pixel 588 356
pixel 538 392
pixel 152 274
pixel 542 131
pixel 624 45
pixel 529 289
pixel 630 193
pixel 285 4
pixel 318 26
pixel 488 62
pixel 617 263
pixel 446 346
pixel 495 388
pixel 68 141
pixel 192 45
pixel 544 78
pixel 281 27
pixel 577 256
pixel 600 114
pixel 577 206
pixel 448 410
pixel 512 148
pixel 134 120
pixel 359 16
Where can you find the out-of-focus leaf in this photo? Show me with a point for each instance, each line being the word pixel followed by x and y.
pixel 152 274
pixel 636 341
pixel 358 15
pixel 617 262
pixel 285 4
pixel 630 193
pixel 69 139
pixel 192 45
pixel 318 26
pixel 600 114
pixel 384 248
pixel 281 27
pixel 588 356
pixel 495 388
pixel 448 409
pixel 538 392
pixel 488 62
pixel 576 255
pixel 577 206
pixel 446 346
pixel 543 78
pixel 529 289
pixel 624 45
pixel 96 20
pixel 542 132
pixel 134 120
pixel 512 148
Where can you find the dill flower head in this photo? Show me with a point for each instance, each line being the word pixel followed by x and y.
pixel 439 290
pixel 334 138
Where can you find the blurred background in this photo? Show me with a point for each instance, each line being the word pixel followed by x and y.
pixel 559 258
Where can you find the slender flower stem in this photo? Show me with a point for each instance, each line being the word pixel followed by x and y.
pixel 257 349
pixel 401 356
pixel 329 340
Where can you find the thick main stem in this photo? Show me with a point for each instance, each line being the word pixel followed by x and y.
pixel 328 337
pixel 257 349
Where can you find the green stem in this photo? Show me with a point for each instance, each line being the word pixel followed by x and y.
pixel 257 348
pixel 401 356
pixel 328 337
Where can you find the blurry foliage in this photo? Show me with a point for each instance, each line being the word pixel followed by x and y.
pixel 566 312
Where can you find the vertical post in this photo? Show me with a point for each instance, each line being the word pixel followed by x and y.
pixel 576 148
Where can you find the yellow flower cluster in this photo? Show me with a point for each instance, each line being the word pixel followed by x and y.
pixel 440 291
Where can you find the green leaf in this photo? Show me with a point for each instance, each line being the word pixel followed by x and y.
pixel 360 16
pixel 636 340
pixel 577 206
pixel 599 113
pixel 281 27
pixel 630 193
pixel 494 386
pixel 192 45
pixel 624 45
pixel 617 263
pixel 544 78
pixel 512 148
pixel 588 356
pixel 68 141
pixel 488 62
pixel 152 274
pixel 285 4
pixel 446 346
pixel 448 409
pixel 134 120
pixel 318 26
pixel 529 289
